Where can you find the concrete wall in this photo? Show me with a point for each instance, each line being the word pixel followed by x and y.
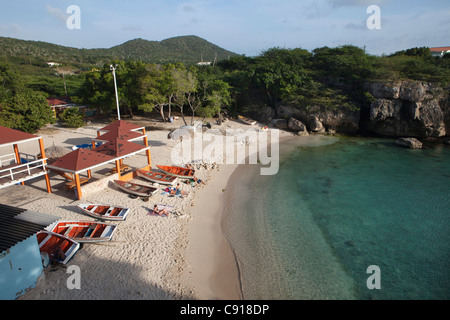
pixel 20 268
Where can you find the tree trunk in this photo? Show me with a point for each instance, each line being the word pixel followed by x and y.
pixel 170 105
pixel 161 111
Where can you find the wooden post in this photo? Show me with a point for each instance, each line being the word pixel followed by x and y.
pixel 89 174
pixel 118 168
pixel 47 179
pixel 149 157
pixel 16 152
pixel 93 144
pixel 78 185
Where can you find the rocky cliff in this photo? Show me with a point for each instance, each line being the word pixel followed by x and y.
pixel 398 109
pixel 405 109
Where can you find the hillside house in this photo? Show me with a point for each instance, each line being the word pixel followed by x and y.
pixel 439 51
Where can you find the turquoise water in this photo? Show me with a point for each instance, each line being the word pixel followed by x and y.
pixel 334 209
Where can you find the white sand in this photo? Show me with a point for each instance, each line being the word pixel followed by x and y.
pixel 150 257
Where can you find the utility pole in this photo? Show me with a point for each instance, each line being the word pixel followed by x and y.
pixel 113 69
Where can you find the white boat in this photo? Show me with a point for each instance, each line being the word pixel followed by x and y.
pixel 105 212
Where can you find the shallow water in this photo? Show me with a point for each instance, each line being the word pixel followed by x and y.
pixel 336 207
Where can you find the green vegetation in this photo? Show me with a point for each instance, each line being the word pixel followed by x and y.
pixel 163 77
pixel 72 117
pixel 21 108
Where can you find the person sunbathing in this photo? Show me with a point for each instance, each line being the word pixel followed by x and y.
pixel 159 212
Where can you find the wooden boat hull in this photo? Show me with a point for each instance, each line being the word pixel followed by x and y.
pixel 247 120
pixel 179 172
pixel 137 189
pixel 157 177
pixel 84 231
pixel 50 243
pixel 105 212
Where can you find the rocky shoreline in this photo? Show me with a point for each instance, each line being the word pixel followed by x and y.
pixel 403 109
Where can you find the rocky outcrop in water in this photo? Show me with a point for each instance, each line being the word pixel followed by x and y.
pixel 411 143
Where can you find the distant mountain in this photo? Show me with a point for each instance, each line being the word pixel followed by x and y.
pixel 187 49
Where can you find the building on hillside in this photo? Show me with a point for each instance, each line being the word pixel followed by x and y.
pixel 52 64
pixel 59 104
pixel 439 51
pixel 21 264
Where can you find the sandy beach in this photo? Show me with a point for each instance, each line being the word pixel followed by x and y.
pixel 183 256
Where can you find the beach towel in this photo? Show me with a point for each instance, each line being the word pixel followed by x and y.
pixel 169 209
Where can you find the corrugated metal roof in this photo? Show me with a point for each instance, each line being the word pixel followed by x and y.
pixel 18 224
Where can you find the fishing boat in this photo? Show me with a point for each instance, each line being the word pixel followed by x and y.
pixel 179 172
pixel 105 212
pixel 56 246
pixel 84 231
pixel 247 120
pixel 157 177
pixel 136 189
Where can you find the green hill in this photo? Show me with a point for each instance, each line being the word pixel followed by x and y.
pixel 187 49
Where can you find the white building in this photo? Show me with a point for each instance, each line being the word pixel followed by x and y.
pixel 439 51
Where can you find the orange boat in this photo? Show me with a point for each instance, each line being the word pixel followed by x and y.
pixel 105 212
pixel 56 246
pixel 84 231
pixel 179 172
pixel 157 177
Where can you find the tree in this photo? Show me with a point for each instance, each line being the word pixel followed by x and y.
pixel 73 117
pixel 153 88
pixel 26 110
pixel 279 72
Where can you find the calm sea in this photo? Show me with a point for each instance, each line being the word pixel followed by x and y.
pixel 336 207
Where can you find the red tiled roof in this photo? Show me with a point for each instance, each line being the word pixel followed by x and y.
pixel 120 133
pixel 81 159
pixel 12 136
pixel 119 148
pixel 440 49
pixel 123 125
pixel 54 101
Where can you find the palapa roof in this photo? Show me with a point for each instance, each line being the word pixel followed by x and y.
pixel 123 125
pixel 10 136
pixel 80 160
pixel 119 133
pixel 119 148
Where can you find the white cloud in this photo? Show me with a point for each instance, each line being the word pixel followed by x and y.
pixel 57 13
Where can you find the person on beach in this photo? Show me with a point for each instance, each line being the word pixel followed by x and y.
pixel 159 212
pixel 178 190
pixel 196 180
pixel 189 166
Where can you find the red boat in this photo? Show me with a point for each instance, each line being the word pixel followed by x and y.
pixel 179 172
pixel 84 231
pixel 56 246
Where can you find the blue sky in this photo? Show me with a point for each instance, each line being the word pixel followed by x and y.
pixel 242 26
